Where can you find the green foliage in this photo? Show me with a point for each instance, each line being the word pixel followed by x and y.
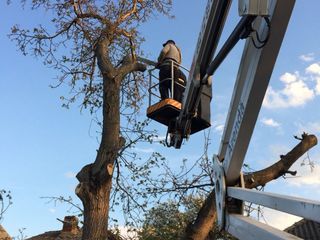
pixel 164 221
pixel 169 220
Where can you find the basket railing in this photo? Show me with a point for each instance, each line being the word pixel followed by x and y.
pixel 154 81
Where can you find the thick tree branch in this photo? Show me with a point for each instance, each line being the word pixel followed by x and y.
pixel 204 222
pixel 103 60
pixel 131 67
pixel 260 178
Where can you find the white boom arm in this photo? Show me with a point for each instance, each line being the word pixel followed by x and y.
pixel 211 28
pixel 253 77
pixel 252 81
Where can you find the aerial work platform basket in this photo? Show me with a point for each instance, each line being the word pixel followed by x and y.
pixel 167 110
pixel 164 111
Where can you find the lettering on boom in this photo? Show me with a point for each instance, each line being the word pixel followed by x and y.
pixel 236 127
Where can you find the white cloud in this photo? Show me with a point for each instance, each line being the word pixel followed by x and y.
pixel 273 99
pixel 289 77
pixel 306 176
pixel 296 90
pixel 278 219
pixel 270 122
pixel 218 122
pixel 70 174
pixel 314 69
pixel 295 93
pixel 307 57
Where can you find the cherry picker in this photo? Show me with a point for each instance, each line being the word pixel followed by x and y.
pixel 193 114
pixel 263 24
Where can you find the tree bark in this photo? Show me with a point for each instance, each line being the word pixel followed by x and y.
pixel 96 179
pixel 201 227
pixel 262 177
pixel 96 207
pixel 206 218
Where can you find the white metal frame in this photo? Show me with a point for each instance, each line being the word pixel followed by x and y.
pixel 252 81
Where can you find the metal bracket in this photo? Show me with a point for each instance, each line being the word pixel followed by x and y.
pixel 220 191
pixel 254 7
pixel 234 205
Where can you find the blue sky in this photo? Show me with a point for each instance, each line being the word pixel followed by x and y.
pixel 42 145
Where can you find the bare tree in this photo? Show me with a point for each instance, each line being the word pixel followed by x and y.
pixel 93 45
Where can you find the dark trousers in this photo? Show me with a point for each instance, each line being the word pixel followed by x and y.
pixel 165 82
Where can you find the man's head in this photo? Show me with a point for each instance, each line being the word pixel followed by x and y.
pixel 169 41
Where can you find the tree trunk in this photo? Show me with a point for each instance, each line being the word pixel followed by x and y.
pixel 96 179
pixel 96 208
pixel 206 218
pixel 201 227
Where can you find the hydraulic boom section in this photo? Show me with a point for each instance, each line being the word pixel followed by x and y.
pixel 197 96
